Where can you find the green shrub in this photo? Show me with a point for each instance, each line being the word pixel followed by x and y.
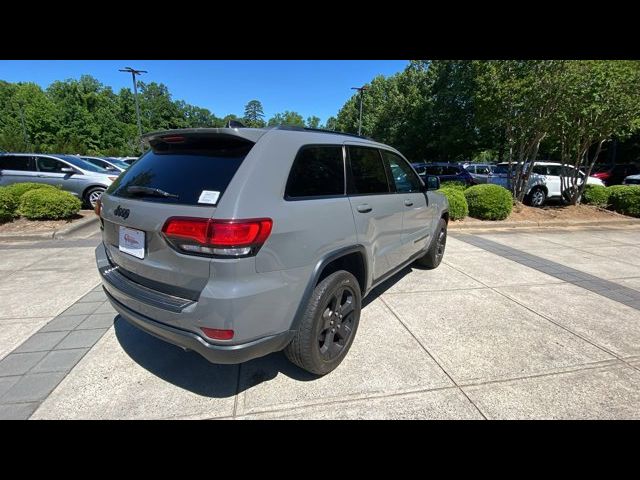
pixel 19 189
pixel 489 202
pixel 454 184
pixel 458 207
pixel 8 206
pixel 48 204
pixel 625 200
pixel 596 195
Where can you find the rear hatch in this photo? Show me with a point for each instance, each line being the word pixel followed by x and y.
pixel 185 174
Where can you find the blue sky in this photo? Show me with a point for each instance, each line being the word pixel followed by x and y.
pixel 310 87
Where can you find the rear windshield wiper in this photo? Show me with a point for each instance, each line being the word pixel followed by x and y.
pixel 156 192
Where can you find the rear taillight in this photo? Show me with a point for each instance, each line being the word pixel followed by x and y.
pixel 224 238
pixel 98 207
pixel 601 175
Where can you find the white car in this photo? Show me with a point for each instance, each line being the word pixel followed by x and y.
pixel 632 180
pixel 544 181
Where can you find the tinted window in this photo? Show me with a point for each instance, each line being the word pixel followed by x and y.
pixel 450 170
pixel 540 169
pixel 367 171
pixel 471 169
pixel 553 170
pixel 433 170
pixel 51 165
pixel 17 163
pixel 404 177
pixel 316 171
pixel 185 173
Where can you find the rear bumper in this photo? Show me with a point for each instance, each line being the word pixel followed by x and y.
pixel 225 354
pixel 179 321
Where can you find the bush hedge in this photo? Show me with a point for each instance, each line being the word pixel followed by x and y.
pixel 458 207
pixel 489 202
pixel 625 200
pixel 596 195
pixel 8 205
pixel 19 189
pixel 454 184
pixel 48 204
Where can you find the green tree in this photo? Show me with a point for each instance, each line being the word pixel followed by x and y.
pixel 313 122
pixel 599 100
pixel 253 114
pixel 287 118
pixel 331 123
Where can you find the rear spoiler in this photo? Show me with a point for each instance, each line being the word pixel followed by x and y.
pixel 184 134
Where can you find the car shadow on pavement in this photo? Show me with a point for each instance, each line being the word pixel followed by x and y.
pixel 190 371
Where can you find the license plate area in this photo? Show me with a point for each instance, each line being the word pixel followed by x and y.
pixel 131 241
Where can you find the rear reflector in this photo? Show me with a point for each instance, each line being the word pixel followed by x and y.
pixel 98 207
pixel 217 334
pixel 229 238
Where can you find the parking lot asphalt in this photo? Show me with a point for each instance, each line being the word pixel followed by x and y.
pixel 512 325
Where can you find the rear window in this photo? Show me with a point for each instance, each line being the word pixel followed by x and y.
pixel 187 175
pixel 317 171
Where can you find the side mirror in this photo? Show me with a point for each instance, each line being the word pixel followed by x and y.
pixel 432 182
pixel 67 170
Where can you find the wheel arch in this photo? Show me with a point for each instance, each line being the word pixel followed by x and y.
pixel 352 259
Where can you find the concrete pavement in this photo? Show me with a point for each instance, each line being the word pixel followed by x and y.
pixel 488 334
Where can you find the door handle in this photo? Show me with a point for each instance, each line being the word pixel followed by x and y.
pixel 408 203
pixel 364 208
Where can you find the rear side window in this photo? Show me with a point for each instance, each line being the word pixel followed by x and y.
pixel 25 164
pixel 317 171
pixel 198 175
pixel 451 171
pixel 368 174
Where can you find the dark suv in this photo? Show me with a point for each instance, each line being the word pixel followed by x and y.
pixel 615 174
pixel 446 172
pixel 238 242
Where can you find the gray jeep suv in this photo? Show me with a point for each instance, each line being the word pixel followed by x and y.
pixel 238 242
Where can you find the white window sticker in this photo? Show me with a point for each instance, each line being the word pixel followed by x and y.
pixel 209 196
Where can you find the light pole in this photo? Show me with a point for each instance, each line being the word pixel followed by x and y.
pixel 133 73
pixel 360 89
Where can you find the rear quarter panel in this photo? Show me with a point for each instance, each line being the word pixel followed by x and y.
pixel 303 230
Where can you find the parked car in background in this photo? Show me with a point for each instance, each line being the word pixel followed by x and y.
pixel 615 174
pixel 73 174
pixel 108 163
pixel 544 181
pixel 205 248
pixel 480 171
pixel 446 172
pixel 129 160
pixel 632 180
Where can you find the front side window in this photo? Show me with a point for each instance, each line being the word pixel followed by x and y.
pixel 404 178
pixel 317 171
pixel 50 165
pixel 368 174
pixel 553 170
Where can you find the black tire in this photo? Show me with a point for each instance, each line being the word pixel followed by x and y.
pixel 434 254
pixel 537 197
pixel 90 195
pixel 325 335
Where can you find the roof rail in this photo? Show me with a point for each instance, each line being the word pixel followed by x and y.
pixel 320 130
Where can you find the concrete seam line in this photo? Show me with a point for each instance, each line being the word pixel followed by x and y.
pixel 431 356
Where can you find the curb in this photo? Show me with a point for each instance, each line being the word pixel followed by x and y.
pixel 489 225
pixel 86 222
